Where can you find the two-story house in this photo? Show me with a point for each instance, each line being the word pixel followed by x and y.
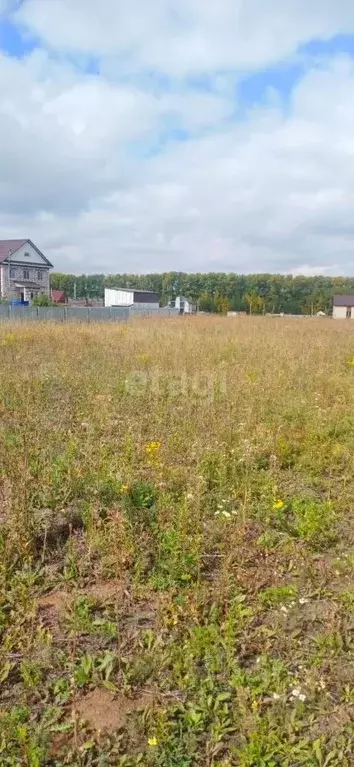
pixel 24 271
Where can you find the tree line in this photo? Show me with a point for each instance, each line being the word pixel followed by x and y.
pixel 219 292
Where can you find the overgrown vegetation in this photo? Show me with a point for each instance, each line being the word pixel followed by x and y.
pixel 176 544
pixel 42 300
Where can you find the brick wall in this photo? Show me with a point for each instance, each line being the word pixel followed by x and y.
pixel 9 289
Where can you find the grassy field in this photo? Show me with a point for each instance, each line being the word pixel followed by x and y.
pixel 176 535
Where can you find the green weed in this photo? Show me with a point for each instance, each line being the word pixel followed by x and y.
pixel 155 545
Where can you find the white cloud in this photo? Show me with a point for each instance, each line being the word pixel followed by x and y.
pixel 91 169
pixel 68 138
pixel 185 36
pixel 312 271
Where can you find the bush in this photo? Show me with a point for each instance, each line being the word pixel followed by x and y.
pixel 42 300
pixel 314 522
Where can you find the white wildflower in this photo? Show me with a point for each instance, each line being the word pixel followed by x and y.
pixel 298 695
pixel 303 601
pixel 284 610
pixel 276 696
pixel 226 514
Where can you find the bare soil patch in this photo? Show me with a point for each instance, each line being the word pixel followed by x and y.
pixel 49 608
pixel 105 713
pixel 55 599
pixel 105 591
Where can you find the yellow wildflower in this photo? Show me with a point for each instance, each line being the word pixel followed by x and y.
pixel 152 742
pixel 278 505
pixel 152 448
pixel 124 489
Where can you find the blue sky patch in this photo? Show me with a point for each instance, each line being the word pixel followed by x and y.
pixel 257 88
pixel 159 142
pixel 333 47
pixel 14 41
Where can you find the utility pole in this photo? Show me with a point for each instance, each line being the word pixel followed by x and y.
pixel 75 290
pixel 9 258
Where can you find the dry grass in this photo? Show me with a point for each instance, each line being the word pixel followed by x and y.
pixel 176 521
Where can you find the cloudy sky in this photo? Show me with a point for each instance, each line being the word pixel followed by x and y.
pixel 156 135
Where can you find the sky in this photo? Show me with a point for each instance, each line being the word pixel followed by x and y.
pixel 179 135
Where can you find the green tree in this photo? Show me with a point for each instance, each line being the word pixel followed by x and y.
pixel 215 291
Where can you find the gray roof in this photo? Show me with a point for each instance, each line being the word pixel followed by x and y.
pixel 27 284
pixel 343 299
pixel 134 290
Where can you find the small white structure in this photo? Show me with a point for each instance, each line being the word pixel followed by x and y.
pixel 129 297
pixel 183 305
pixel 343 306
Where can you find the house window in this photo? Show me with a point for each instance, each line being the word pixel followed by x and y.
pixel 26 275
pixel 349 312
pixel 39 276
pixel 12 273
pixel 27 255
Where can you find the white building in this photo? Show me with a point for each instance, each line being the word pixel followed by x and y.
pixel 183 305
pixel 343 306
pixel 24 271
pixel 129 297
